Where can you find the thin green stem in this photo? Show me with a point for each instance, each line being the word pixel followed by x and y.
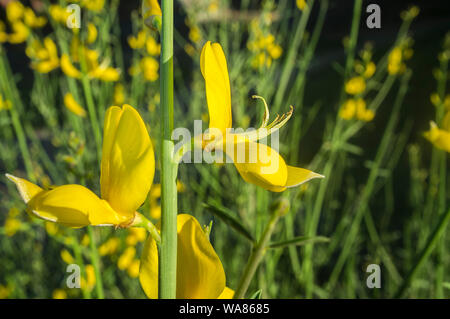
pixel 259 250
pixel 96 264
pixel 168 247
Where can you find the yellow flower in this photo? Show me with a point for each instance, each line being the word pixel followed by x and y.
pixel 133 268
pixel 67 257
pixel 370 70
pixel 59 294
pixel 119 95
pixel 93 5
pixel 44 56
pixel 68 68
pixel 195 34
pixel 348 110
pixel 92 33
pixel 109 247
pixel 90 276
pixel 256 163
pixel 126 258
pixel 355 85
pixel 14 11
pixel 438 137
pixel 73 106
pixel 301 4
pixel 51 228
pixel 362 113
pixel 151 9
pixel 32 21
pixel 149 67
pixel 85 240
pixel 200 272
pixel 127 169
pixel 12 225
pixel 4 292
pixel 20 33
pixel 58 13
pixel 4 104
pixel 136 234
pixel 137 42
pixel 153 48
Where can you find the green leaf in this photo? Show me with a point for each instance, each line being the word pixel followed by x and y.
pixel 298 241
pixel 226 216
pixel 256 295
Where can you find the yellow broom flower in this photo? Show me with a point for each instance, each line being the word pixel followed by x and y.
pixel 92 33
pixel 127 169
pixel 438 137
pixel 259 164
pixel 355 85
pixel 68 68
pixel 73 106
pixel 200 273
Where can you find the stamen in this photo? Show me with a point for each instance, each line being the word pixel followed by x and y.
pixel 266 110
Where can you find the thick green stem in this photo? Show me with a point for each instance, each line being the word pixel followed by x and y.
pixel 168 247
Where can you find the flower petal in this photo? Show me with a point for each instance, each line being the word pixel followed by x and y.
pixel 214 69
pixel 439 138
pixel 200 273
pixel 261 165
pixel 27 190
pixel 227 293
pixel 297 176
pixel 70 205
pixel 128 160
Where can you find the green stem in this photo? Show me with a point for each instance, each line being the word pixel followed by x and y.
pixel 141 221
pixel 168 247
pixel 96 264
pixel 259 250
pixel 427 250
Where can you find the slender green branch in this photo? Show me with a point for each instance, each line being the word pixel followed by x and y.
pixel 168 247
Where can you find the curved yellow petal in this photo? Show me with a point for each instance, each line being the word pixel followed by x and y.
pixel 297 176
pixel 128 160
pixel 75 206
pixel 27 190
pixel 261 165
pixel 70 205
pixel 68 68
pixel 227 293
pixel 200 273
pixel 214 69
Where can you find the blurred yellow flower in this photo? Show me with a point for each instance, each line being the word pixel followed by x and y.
pixel 20 33
pixel 356 109
pixel 260 164
pixel 135 235
pixel 92 33
pixel 68 68
pixel 301 4
pixel 137 42
pixel 58 13
pixel 355 85
pixel 44 56
pixel 4 104
pixel 67 257
pixel 11 226
pixel 126 258
pixel 195 34
pixel 73 106
pixel 4 292
pixel 32 20
pixel 51 228
pixel 119 95
pixel 440 138
pixel 370 70
pixel 200 273
pixel 14 11
pixel 153 48
pixel 127 169
pixel 59 294
pixel 133 268
pixel 109 247
pixel 93 5
pixel 149 67
pixel 395 61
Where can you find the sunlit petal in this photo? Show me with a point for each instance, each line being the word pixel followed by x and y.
pixel 215 72
pixel 128 161
pixel 200 272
